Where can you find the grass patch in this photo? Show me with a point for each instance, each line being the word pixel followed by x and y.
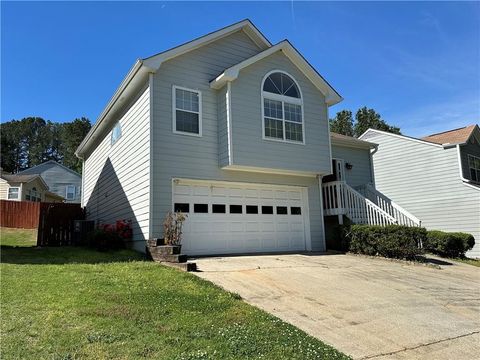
pixel 69 303
pixel 474 262
pixel 18 237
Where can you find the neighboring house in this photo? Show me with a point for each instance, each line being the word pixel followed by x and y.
pixel 25 188
pixel 233 131
pixel 60 180
pixel 437 178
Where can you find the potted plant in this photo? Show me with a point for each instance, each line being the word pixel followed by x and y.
pixel 172 231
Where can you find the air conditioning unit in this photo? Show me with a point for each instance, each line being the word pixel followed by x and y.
pixel 81 228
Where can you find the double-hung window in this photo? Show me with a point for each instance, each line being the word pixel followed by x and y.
pixel 187 111
pixel 116 133
pixel 282 109
pixel 13 193
pixel 70 192
pixel 474 166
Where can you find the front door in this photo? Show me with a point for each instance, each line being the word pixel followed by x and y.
pixel 338 166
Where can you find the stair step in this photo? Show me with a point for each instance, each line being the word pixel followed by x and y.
pixel 186 266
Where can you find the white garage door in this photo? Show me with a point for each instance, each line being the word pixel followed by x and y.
pixel 226 218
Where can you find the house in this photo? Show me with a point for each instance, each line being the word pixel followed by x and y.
pixel 25 188
pixel 436 178
pixel 233 131
pixel 61 180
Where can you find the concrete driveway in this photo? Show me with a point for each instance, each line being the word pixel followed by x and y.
pixel 367 308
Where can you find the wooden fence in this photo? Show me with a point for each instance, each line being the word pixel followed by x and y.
pixel 19 214
pixel 56 223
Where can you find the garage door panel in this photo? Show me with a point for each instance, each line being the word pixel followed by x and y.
pixel 264 221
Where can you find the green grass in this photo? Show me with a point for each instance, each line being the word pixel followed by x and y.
pixel 17 237
pixel 469 261
pixel 75 303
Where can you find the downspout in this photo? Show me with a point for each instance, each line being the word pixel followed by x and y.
pixel 372 169
pixel 322 218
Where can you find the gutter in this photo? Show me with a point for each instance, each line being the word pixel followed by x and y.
pixel 131 74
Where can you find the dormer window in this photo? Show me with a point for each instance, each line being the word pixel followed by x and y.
pixel 282 108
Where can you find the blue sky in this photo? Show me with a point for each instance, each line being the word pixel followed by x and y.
pixel 417 63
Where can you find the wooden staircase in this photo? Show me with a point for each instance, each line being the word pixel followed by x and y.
pixel 370 207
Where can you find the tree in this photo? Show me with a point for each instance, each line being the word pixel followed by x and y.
pixel 71 135
pixel 342 123
pixel 32 141
pixel 369 118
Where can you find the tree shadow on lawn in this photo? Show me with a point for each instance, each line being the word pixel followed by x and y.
pixel 64 255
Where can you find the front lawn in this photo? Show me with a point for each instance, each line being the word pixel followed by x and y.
pixel 469 261
pixel 69 303
pixel 18 237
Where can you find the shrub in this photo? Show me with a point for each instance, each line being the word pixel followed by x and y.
pixel 110 237
pixel 393 241
pixel 449 244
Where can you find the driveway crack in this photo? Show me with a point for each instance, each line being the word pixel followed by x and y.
pixel 418 346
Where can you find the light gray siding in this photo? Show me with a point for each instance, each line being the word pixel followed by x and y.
pixel 249 149
pixel 57 178
pixel 425 180
pixel 472 148
pixel 361 172
pixel 117 177
pixel 183 156
pixel 223 151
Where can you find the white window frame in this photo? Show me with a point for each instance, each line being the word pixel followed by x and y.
pixel 283 99
pixel 174 111
pixel 66 192
pixel 112 141
pixel 470 168
pixel 18 193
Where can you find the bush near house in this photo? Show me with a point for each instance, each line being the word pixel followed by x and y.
pixel 449 244
pixel 110 237
pixel 393 241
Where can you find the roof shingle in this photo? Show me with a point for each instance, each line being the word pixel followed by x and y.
pixel 456 136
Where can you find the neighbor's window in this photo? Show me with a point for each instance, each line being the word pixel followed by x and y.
pixel 282 108
pixel 33 195
pixel 13 193
pixel 187 112
pixel 70 192
pixel 474 165
pixel 116 133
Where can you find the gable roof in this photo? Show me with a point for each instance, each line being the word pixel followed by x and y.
pixel 340 139
pixel 15 178
pixel 245 25
pixel 455 136
pixel 404 137
pixel 139 74
pixel 331 95
pixel 36 169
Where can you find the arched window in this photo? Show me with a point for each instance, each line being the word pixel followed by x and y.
pixel 282 108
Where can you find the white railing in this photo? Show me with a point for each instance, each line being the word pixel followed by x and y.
pixel 341 199
pixel 402 216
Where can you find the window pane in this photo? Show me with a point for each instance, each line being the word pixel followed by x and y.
pixel 267 210
pixel 235 209
pixel 274 128
pixel 13 193
pixel 116 133
pixel 200 208
pixel 218 208
pixel 187 122
pixel 295 210
pixel 273 108
pixel 282 84
pixel 282 210
pixel 186 100
pixel 293 131
pixel 181 207
pixel 293 112
pixel 252 209
pixel 473 174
